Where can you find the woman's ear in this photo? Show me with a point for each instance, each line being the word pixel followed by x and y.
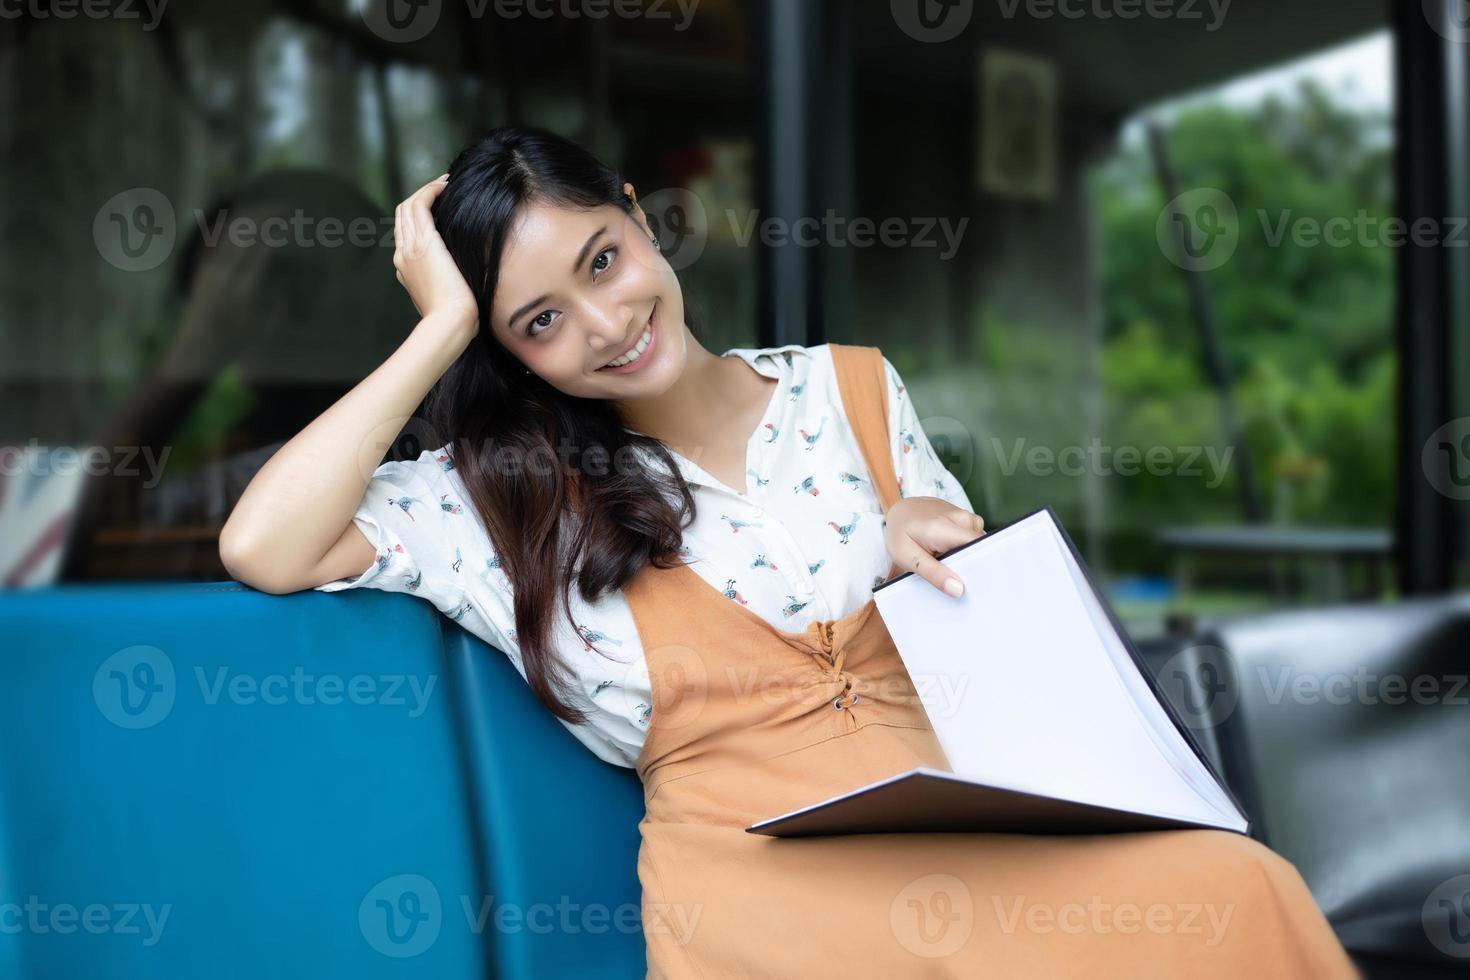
pixel 638 214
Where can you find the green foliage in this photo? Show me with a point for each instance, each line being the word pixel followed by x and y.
pixel 198 440
pixel 1307 325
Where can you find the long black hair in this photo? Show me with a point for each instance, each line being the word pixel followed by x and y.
pixel 596 513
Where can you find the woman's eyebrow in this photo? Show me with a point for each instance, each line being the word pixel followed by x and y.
pixel 581 257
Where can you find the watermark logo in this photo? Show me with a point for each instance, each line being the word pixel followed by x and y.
pixel 407 691
pixel 1446 917
pixel 1199 682
pixel 41 918
pixel 90 9
pixel 135 229
pixel 932 21
pixel 409 437
pixel 401 916
pixel 135 687
pixel 833 230
pixel 678 684
pixel 36 460
pixel 1446 458
pixel 678 219
pixel 1098 459
pixel 404 915
pixel 569 918
pixel 1098 917
pixel 401 21
pixel 953 444
pixel 406 21
pixel 1211 13
pixel 1363 687
pixel 1361 230
pixel 932 916
pixel 1450 19
pixel 1199 230
pixel 591 9
pixel 1202 684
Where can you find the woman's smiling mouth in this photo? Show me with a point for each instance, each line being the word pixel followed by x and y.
pixel 635 357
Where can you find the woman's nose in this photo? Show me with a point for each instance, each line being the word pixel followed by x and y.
pixel 609 331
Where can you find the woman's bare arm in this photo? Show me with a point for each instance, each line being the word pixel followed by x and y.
pixel 292 528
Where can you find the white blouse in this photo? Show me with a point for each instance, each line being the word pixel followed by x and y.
pixel 803 544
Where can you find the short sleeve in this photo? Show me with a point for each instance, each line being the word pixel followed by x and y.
pixel 413 516
pixel 429 542
pixel 920 472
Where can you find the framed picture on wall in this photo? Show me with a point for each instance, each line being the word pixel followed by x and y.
pixel 1018 125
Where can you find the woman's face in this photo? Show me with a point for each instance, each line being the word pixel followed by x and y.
pixel 578 290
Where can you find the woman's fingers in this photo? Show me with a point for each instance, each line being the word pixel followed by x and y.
pixel 414 222
pixel 943 533
pixel 422 261
pixel 407 234
pixel 913 557
pixel 421 199
pixel 969 521
pixel 935 535
pixel 418 205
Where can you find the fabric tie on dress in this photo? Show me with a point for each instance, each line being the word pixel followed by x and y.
pixel 831 658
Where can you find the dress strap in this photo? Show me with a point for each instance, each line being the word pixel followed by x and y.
pixel 862 383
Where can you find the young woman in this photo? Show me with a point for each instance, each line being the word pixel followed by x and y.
pixel 677 550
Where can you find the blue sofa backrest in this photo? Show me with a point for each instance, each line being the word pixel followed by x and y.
pixel 204 780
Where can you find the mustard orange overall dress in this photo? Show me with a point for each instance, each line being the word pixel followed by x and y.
pixel 750 721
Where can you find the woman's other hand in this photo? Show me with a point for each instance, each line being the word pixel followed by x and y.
pixel 424 265
pixel 918 528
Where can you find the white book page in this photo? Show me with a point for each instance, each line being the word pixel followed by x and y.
pixel 1018 686
pixel 1166 735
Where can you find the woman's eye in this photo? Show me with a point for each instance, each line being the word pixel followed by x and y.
pixel 611 249
pixel 541 321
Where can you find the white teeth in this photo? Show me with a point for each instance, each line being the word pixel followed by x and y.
pixel 636 352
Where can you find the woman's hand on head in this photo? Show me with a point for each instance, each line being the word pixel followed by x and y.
pixel 918 528
pixel 424 265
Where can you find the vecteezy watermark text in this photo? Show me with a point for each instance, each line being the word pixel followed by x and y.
pixel 89 9
pixel 96 918
pixel 1363 686
pixel 300 687
pixel 1099 917
pixel 403 915
pixel 1362 230
pixel 137 229
pixel 1210 12
pixel 34 459
pixel 137 687
pixel 406 21
pixel 837 231
pixel 1097 459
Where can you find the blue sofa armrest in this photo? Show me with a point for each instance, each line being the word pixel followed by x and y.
pixel 200 779
pixel 560 827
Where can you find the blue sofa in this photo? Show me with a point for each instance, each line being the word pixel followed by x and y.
pixel 204 780
pixel 200 780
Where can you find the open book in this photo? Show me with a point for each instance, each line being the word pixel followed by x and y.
pixel 1048 718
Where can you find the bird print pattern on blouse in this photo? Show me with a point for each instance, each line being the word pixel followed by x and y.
pixel 803 544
